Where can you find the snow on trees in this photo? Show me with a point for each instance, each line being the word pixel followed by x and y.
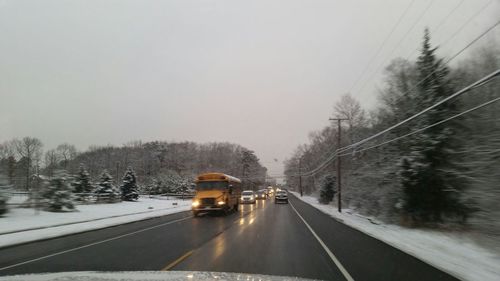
pixel 170 182
pixel 432 185
pixel 56 193
pixel 327 191
pixel 105 190
pixel 81 182
pixel 129 186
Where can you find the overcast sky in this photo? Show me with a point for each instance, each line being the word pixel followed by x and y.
pixel 259 73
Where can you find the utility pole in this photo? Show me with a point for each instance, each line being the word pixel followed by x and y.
pixel 300 177
pixel 117 167
pixel 339 186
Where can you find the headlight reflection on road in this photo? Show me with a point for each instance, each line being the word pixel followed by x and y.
pixel 242 221
pixel 220 246
pixel 251 220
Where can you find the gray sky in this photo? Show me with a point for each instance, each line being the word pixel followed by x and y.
pixel 259 73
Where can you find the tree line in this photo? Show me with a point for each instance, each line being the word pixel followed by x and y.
pixel 443 174
pixel 154 167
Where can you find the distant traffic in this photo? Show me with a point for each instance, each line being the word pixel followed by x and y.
pixel 221 193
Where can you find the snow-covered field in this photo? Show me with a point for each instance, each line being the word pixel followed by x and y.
pixel 87 217
pixel 450 252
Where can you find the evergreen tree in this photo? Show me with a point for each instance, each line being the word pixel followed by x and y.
pixel 57 194
pixel 129 186
pixel 327 191
pixel 105 189
pixel 431 181
pixel 81 183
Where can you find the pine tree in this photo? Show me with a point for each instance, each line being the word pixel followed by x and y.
pixel 81 183
pixel 129 186
pixel 327 191
pixel 431 181
pixel 56 193
pixel 105 190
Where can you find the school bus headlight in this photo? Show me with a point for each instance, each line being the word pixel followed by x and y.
pixel 221 203
pixel 195 203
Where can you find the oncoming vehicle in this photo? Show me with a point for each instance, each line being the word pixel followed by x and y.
pixel 247 196
pixel 281 196
pixel 270 190
pixel 216 192
pixel 261 194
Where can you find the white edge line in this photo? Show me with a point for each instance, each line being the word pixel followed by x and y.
pixel 332 256
pixel 388 242
pixel 93 244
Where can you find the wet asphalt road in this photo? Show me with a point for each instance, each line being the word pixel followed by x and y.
pixel 263 238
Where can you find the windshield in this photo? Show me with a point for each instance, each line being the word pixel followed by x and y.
pixel 322 139
pixel 208 185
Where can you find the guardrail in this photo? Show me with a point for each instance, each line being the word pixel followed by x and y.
pixel 169 196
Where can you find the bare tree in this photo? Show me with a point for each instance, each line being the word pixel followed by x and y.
pixel 7 149
pixel 66 152
pixel 52 159
pixel 31 150
pixel 349 108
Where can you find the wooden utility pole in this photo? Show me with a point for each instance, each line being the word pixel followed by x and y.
pixel 116 175
pixel 339 186
pixel 300 177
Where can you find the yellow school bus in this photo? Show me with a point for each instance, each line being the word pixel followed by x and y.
pixel 216 192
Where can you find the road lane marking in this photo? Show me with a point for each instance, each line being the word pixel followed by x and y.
pixel 177 261
pixel 92 244
pixel 332 256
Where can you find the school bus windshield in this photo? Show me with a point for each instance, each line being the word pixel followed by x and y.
pixel 210 185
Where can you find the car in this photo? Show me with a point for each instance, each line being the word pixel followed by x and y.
pixel 270 190
pixel 281 197
pixel 247 197
pixel 261 194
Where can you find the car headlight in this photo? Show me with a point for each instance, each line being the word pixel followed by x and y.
pixel 195 203
pixel 221 203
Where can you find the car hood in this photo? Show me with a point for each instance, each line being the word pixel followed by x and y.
pixel 143 275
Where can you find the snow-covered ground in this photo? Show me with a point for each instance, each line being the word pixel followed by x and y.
pixel 87 217
pixel 450 252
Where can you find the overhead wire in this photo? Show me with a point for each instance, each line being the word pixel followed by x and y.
pixel 427 127
pixel 467 22
pixel 481 81
pixel 384 42
pixel 384 62
pixel 338 152
pixel 474 85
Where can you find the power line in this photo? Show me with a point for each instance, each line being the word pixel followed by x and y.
pixel 383 44
pixel 384 62
pixel 466 23
pixel 481 81
pixel 448 16
pixel 427 127
pixel 440 25
pixel 474 85
pixel 466 89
